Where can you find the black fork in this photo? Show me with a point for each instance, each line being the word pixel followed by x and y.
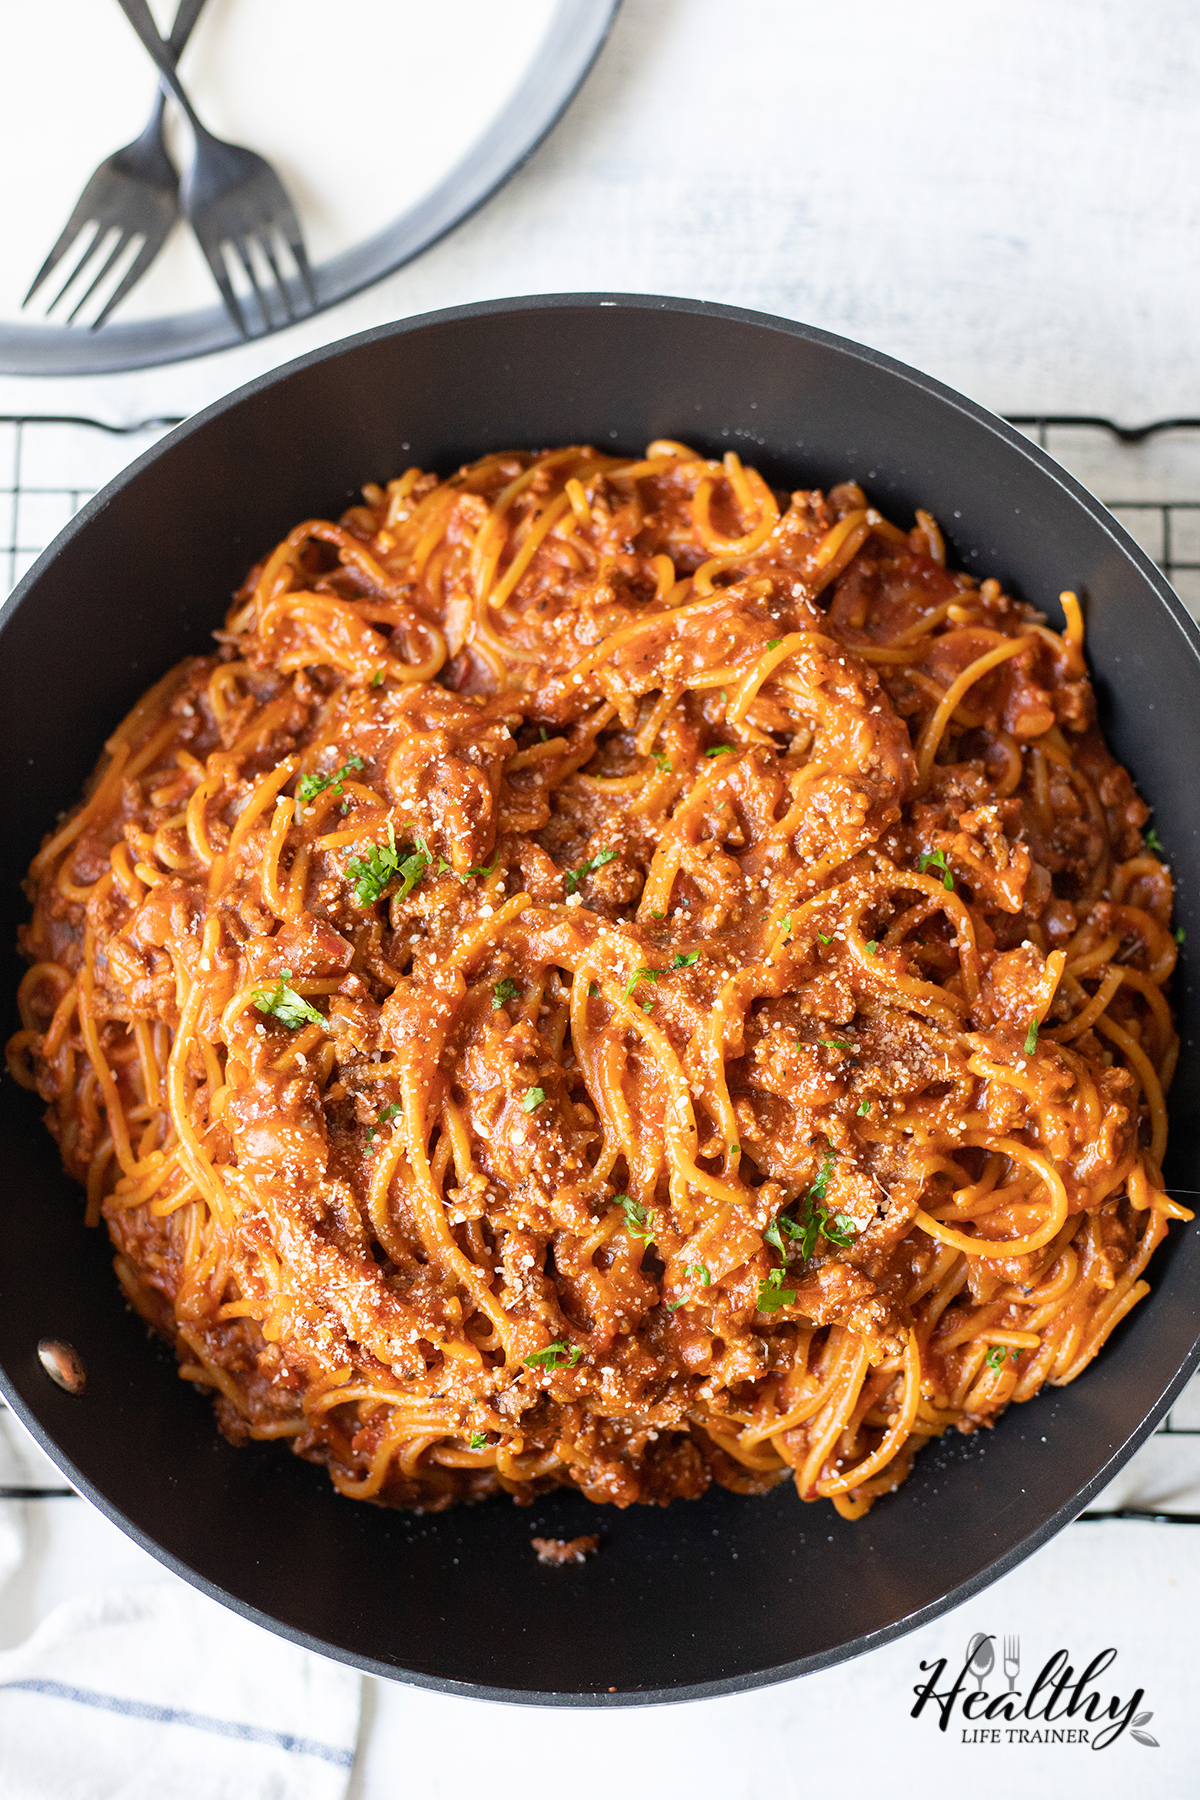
pixel 233 200
pixel 135 192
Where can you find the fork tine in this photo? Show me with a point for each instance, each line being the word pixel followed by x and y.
pixel 79 218
pixel 93 244
pixel 214 256
pixel 289 228
pixel 133 274
pixel 296 246
pixel 268 250
pixel 124 238
pixel 241 246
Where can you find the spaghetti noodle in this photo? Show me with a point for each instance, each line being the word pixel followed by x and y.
pixel 613 976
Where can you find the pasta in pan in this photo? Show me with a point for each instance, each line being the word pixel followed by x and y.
pixel 613 976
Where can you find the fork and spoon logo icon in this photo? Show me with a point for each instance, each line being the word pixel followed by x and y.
pixel 1060 1706
pixel 981 1659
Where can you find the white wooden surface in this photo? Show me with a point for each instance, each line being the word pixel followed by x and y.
pixel 1004 193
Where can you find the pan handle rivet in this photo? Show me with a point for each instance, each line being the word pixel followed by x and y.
pixel 63 1364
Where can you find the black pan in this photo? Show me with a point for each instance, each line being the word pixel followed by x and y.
pixel 708 1596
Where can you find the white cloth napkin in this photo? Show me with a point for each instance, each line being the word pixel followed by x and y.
pixel 156 1690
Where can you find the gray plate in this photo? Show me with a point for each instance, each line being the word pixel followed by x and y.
pixel 576 35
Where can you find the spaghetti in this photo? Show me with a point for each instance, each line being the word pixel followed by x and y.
pixel 612 976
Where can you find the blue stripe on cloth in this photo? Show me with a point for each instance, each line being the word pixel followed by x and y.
pixel 173 1715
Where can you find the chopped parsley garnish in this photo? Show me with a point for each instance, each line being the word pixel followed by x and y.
pixel 1153 842
pixel 505 990
pixel 700 1269
pixel 1180 934
pixel 639 1220
pixel 785 925
pixel 685 962
pixel 720 750
pixel 664 763
pixel 780 1234
pixel 995 1357
pixel 543 734
pixel 1031 1037
pixel 533 1099
pixel 285 1004
pixel 555 1356
pixel 772 1294
pixel 377 678
pixel 936 859
pixel 389 1112
pixel 863 1110
pixel 575 876
pixel 593 990
pixel 656 915
pixel 788 1235
pixel 823 938
pixel 774 643
pixel 735 1149
pixel 413 867
pixel 310 786
pixel 481 873
pixel 820 1186
pixel 477 1440
pixel 840 1230
pixel 642 974
pixel 835 1044
pixel 372 874
pixel 872 946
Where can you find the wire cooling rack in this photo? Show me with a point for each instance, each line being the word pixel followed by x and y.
pixel 49 466
pixel 1148 476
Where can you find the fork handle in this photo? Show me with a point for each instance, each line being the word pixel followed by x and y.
pixel 186 14
pixel 140 17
